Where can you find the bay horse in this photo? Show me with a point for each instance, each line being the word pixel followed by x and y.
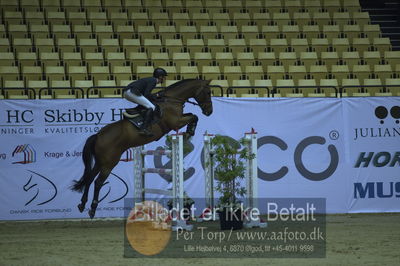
pixel 106 147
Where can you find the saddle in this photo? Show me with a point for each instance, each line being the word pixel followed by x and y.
pixel 136 115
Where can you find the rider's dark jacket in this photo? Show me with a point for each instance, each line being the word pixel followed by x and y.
pixel 143 86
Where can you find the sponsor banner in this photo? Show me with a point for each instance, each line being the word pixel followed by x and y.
pixel 30 193
pixel 299 145
pixel 373 154
pixel 344 150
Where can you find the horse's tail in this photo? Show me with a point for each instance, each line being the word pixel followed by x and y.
pixel 87 158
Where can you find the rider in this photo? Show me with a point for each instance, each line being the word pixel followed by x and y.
pixel 139 92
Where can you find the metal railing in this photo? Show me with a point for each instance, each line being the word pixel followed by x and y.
pixel 275 88
pixel 89 90
pixel 72 89
pixel 30 92
pixel 362 87
pixel 270 91
pixel 253 88
pixel 212 86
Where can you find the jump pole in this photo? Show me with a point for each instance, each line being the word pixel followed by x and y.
pixel 176 153
pixel 209 171
pixel 251 177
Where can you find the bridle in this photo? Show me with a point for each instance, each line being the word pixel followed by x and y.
pixel 198 92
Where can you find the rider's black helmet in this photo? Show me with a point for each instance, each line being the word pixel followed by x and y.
pixel 159 72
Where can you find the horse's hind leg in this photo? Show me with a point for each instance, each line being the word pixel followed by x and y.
pixel 84 198
pixel 104 173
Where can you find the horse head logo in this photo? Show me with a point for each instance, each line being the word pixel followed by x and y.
pixel 41 187
pixel 108 186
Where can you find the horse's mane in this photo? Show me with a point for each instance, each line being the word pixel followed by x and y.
pixel 178 84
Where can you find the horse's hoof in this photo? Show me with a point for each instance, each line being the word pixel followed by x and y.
pixel 92 213
pixel 81 207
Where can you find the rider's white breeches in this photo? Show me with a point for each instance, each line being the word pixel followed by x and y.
pixel 138 99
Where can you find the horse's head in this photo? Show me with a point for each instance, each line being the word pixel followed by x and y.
pixel 192 88
pixel 203 97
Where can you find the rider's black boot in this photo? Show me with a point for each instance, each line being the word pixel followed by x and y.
pixel 145 130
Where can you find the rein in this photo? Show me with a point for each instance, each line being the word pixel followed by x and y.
pixel 176 100
pixel 192 102
pixel 168 98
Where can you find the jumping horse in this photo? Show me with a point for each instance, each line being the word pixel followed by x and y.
pixel 106 147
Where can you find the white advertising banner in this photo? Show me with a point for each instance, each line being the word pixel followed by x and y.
pixel 373 154
pixel 344 150
pixel 41 145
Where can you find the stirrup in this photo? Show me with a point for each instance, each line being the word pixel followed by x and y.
pixel 126 114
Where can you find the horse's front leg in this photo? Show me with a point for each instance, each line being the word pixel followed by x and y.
pixel 191 126
pixel 191 121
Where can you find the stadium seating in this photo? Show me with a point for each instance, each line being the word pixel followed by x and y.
pixel 84 42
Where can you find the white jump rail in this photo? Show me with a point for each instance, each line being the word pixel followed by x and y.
pixel 176 171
